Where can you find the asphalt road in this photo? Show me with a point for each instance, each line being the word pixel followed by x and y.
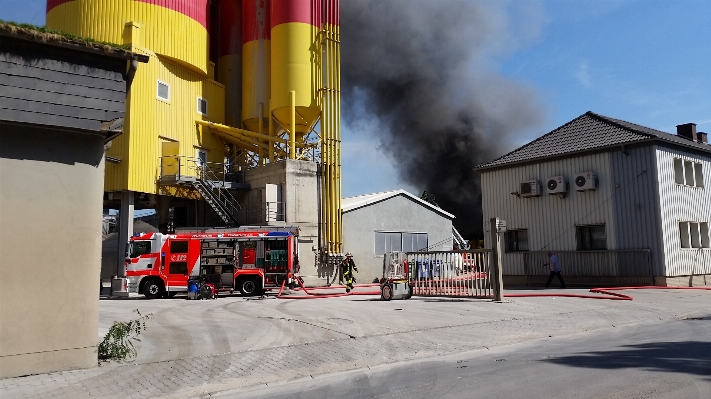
pixel 662 359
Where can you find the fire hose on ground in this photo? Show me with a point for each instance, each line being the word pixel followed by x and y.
pixel 607 292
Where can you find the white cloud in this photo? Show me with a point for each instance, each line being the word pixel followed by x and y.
pixel 582 74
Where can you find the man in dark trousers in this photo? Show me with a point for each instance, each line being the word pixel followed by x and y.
pixel 348 266
pixel 554 264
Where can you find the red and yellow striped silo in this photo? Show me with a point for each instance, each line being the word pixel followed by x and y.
pixel 229 57
pixel 295 104
pixel 256 66
pixel 172 28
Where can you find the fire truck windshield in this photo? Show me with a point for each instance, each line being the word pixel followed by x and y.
pixel 139 248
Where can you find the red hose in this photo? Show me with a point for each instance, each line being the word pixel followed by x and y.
pixel 311 295
pixel 607 291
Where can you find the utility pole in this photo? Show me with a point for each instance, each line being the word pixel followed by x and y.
pixel 497 228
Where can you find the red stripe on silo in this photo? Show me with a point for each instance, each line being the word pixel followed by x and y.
pixel 255 20
pixel 53 3
pixel 306 11
pixel 229 30
pixel 195 9
pixel 332 12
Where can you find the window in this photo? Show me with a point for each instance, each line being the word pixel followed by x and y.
pixel 179 247
pixel 414 242
pixel 163 91
pixel 139 248
pixel 591 238
pixel 678 171
pixel 699 174
pixel 386 241
pixel 688 173
pixel 684 234
pixel 694 235
pixel 201 106
pixel 516 240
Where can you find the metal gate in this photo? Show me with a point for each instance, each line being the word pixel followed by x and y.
pixel 450 273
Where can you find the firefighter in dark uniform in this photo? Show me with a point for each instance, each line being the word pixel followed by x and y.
pixel 348 266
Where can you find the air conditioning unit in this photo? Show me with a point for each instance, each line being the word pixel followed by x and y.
pixel 557 185
pixel 585 181
pixel 531 188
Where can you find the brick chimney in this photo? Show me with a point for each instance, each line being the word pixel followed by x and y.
pixel 703 137
pixel 687 131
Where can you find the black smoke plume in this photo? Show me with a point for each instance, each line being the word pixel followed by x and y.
pixel 420 68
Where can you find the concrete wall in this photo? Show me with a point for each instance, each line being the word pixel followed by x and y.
pixel 50 241
pixel 300 194
pixel 397 214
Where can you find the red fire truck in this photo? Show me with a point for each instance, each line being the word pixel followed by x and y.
pixel 245 259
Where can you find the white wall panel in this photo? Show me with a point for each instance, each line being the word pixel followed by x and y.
pixel 550 220
pixel 683 203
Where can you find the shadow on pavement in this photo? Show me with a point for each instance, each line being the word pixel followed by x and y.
pixel 689 357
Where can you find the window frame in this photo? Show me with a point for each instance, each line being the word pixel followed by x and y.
pixel 158 83
pixel 581 244
pixel 514 246
pixel 388 243
pixel 199 111
pixel 694 235
pixel 688 172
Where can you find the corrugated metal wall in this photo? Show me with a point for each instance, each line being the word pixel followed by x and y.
pixel 683 203
pixel 150 117
pixel 550 220
pixel 171 28
pixel 637 213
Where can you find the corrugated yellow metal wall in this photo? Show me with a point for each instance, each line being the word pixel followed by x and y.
pixel 150 118
pixel 162 30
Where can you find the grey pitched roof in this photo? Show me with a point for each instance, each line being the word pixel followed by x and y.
pixel 587 133
pixel 352 203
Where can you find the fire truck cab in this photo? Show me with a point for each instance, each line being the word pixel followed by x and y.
pixel 248 260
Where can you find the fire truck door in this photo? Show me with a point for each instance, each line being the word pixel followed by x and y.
pixel 175 268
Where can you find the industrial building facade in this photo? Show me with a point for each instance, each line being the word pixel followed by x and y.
pixel 231 86
pixel 611 196
pixel 374 224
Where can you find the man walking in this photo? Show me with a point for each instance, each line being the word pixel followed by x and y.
pixel 554 264
pixel 348 266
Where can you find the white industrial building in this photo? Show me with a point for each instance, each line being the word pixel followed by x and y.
pixel 374 224
pixel 618 202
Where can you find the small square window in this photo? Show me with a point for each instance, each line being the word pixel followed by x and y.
pixel 201 106
pixel 516 240
pixel 591 238
pixel 163 91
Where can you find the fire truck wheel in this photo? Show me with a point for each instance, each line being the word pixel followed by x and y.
pixel 386 293
pixel 249 286
pixel 153 289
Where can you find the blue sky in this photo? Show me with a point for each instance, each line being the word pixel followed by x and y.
pixel 644 61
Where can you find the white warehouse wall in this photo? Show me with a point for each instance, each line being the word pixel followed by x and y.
pixel 398 213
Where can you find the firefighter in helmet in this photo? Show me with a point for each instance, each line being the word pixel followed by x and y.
pixel 348 266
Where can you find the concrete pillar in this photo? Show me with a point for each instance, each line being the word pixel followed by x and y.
pixel 162 209
pixel 125 222
pixel 497 229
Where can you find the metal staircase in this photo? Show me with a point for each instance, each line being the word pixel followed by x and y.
pixel 215 193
